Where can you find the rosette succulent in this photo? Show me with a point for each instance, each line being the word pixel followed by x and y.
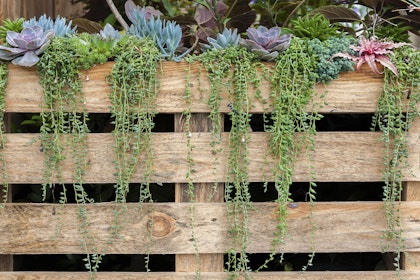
pixel 266 43
pixel 224 40
pixel 26 45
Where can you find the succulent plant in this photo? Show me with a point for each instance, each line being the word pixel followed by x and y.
pixel 371 51
pixel 266 43
pixel 26 45
pixel 109 33
pixel 223 40
pixel 166 34
pixel 60 26
pixel 10 25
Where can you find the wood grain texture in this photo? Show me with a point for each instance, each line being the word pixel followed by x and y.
pixel 412 261
pixel 327 275
pixel 338 157
pixel 352 92
pixel 341 227
pixel 14 9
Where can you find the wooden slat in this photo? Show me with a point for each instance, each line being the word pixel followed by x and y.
pixel 341 227
pixel 411 262
pixel 344 157
pixel 352 92
pixel 327 275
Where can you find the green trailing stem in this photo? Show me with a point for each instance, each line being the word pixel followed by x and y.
pixel 3 167
pixel 397 109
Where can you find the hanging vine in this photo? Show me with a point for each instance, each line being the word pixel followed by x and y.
pixel 292 129
pixel 3 84
pixel 397 109
pixel 64 129
pixel 233 70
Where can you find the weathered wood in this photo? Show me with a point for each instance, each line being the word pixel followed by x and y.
pixel 412 261
pixel 341 227
pixel 352 92
pixel 203 192
pixel 25 8
pixel 327 275
pixel 338 157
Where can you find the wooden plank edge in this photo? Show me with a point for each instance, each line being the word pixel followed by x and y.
pixel 309 275
pixel 340 227
pixel 352 92
pixel 337 157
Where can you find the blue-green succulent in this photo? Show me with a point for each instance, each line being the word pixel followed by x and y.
pixel 59 25
pixel 166 34
pixel 223 40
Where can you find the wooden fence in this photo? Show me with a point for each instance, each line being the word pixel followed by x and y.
pixel 27 228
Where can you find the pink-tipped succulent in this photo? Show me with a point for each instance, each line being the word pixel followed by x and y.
pixel 26 45
pixel 371 51
pixel 266 43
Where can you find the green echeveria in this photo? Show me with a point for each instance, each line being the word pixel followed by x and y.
pixel 266 43
pixel 26 45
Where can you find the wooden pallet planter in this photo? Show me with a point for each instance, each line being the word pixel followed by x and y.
pixel 339 157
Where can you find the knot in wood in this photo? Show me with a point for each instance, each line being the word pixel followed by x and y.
pixel 160 225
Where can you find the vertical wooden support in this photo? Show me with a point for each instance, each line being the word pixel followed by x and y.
pixel 203 193
pixel 412 193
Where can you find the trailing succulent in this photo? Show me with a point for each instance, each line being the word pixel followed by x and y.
pixel 26 45
pixel 146 22
pixel 59 25
pixel 266 43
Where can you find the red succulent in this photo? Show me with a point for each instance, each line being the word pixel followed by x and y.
pixel 372 51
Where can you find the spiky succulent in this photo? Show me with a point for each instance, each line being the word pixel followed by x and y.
pixel 59 25
pixel 166 34
pixel 266 43
pixel 10 25
pixel 314 26
pixel 223 40
pixel 26 45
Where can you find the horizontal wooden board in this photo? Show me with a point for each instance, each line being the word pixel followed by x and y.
pixel 338 157
pixel 340 227
pixel 352 92
pixel 327 275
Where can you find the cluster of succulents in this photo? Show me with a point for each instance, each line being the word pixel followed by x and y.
pixel 59 25
pixel 146 22
pixel 266 43
pixel 26 45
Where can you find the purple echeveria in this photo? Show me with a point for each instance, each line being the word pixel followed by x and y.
pixel 266 43
pixel 26 45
